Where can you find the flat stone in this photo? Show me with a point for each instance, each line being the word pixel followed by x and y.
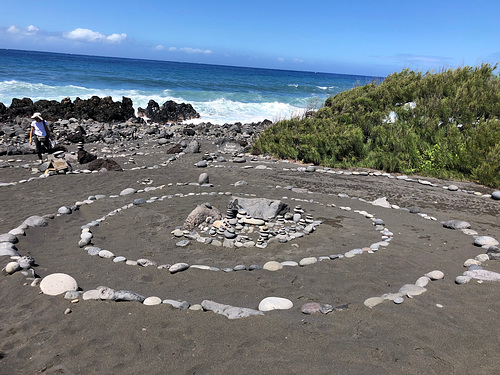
pixel 57 283
pixel 399 300
pixel 308 261
pixel 8 237
pixel 64 210
pixel 36 221
pixel 373 301
pixel 181 305
pixel 273 266
pixel 275 303
pixel 456 224
pixel 462 279
pixel 106 254
pixel 91 294
pixel 483 275
pixel 435 275
pixel 119 259
pixel 128 191
pixel 485 241
pixel 178 267
pixel 422 281
pixel 411 290
pixel 230 312
pixel 482 258
pixel 452 188
pixel 310 308
pixel 152 301
pixel 289 263
pixel 8 249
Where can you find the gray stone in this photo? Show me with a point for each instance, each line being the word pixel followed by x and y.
pixel 398 300
pixel 201 164
pixel 200 214
pixel 483 275
pixel 139 201
pixel 8 237
pixel 128 191
pixel 462 279
pixel 485 241
pixel 64 210
pixel 496 195
pixel 452 188
pixel 181 305
pixel 230 312
pixel 178 267
pixel 435 275
pixel 456 224
pixel 259 208
pixel 310 308
pixel 411 290
pixel 36 221
pixel 203 179
pixel 93 250
pixel 146 262
pixel 373 301
pixel 326 308
pixel 72 294
pixel 8 249
pixel 183 243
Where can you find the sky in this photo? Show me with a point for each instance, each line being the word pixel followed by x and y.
pixel 349 37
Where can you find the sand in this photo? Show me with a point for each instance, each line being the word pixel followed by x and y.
pixel 449 329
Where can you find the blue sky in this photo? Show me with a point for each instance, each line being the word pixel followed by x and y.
pixel 353 37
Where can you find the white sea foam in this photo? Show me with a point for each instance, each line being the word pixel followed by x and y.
pixel 216 111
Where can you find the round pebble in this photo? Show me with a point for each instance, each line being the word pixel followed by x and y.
pixel 308 261
pixel 152 301
pixel 57 283
pixel 398 300
pixel 275 303
pixel 435 275
pixel 310 308
pixel 273 266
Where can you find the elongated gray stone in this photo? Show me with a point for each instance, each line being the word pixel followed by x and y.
pixel 483 275
pixel 8 237
pixel 36 221
pixel 8 249
pixel 181 305
pixel 230 312
pixel 178 267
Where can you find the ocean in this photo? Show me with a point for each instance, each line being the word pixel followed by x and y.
pixel 221 94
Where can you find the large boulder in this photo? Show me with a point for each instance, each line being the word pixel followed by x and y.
pixel 200 214
pixel 259 208
pixel 107 164
pixel 170 111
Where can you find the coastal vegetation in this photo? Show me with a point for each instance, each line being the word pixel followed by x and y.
pixel 444 125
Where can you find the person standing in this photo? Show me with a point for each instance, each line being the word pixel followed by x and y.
pixel 41 136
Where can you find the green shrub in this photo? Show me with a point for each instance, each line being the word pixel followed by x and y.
pixel 446 125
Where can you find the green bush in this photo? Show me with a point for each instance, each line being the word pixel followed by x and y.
pixel 445 125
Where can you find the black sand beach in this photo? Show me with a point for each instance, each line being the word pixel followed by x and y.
pixel 449 329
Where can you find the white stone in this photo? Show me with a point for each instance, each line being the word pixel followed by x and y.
pixel 106 254
pixel 57 283
pixel 482 257
pixel 435 275
pixel 373 301
pixel 483 275
pixel 308 261
pixel 462 279
pixel 151 301
pixel 485 241
pixel 422 281
pixel 91 294
pixel 200 267
pixel 275 303
pixel 178 267
pixel 252 221
pixel 128 191
pixel 289 263
pixel 12 267
pixel 470 262
pixel 411 290
pixel 273 266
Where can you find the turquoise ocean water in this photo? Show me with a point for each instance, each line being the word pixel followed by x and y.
pixel 221 94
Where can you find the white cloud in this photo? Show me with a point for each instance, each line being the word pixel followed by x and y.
pixel 159 47
pixel 190 50
pixel 13 30
pixel 86 35
pixel 281 59
pixel 30 30
pixel 298 60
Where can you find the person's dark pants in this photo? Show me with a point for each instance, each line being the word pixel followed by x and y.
pixel 42 145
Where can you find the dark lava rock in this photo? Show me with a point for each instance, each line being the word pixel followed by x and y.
pixel 108 164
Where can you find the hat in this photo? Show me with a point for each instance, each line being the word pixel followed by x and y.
pixel 37 115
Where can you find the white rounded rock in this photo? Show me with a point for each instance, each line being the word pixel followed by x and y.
pixel 275 303
pixel 470 262
pixel 57 283
pixel 373 301
pixel 411 290
pixel 422 281
pixel 273 266
pixel 435 275
pixel 308 261
pixel 12 267
pixel 482 258
pixel 151 301
pixel 106 254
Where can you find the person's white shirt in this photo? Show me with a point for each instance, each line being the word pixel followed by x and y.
pixel 39 128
